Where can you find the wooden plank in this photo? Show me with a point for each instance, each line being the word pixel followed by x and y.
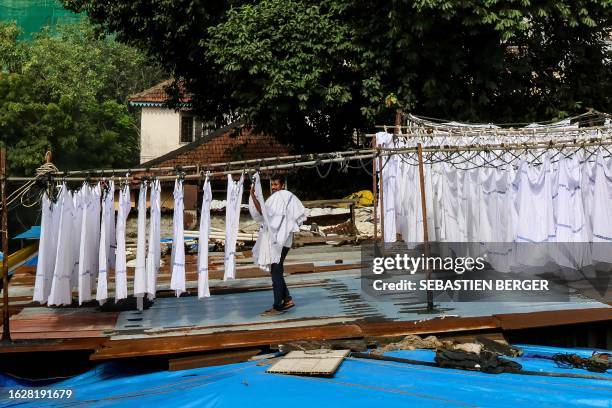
pixel 449 324
pixel 329 203
pixel 310 362
pixel 219 341
pixel 212 359
pixel 50 345
pixel 331 238
pixel 514 321
pixel 58 335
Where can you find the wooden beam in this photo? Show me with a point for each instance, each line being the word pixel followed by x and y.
pixel 212 359
pixel 218 341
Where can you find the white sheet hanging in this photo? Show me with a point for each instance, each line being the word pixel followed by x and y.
pixel 79 208
pixel 535 203
pixel 177 281
pixel 388 173
pixel 232 218
pixel 154 252
pixel 107 236
pixel 203 288
pixel 47 249
pixel 60 293
pixel 112 240
pixel 140 281
pixel 121 290
pixel 90 241
pixel 602 209
pixel 570 216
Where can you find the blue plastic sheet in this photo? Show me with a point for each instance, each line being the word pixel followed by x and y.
pixel 32 233
pixel 362 383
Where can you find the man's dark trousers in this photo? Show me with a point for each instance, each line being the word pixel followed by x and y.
pixel 281 293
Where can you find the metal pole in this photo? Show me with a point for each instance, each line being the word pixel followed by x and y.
pixel 430 305
pixel 6 331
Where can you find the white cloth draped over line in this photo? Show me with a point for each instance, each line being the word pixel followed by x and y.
pixel 232 218
pixel 60 293
pixel 140 282
pixel 47 249
pixel 203 288
pixel 177 281
pixel 90 241
pixel 154 252
pixel 121 290
pixel 107 236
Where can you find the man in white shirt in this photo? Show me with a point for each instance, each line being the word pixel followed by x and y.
pixel 285 213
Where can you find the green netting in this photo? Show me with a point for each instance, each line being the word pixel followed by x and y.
pixel 32 15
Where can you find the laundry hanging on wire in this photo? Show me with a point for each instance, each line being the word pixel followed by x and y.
pixel 533 189
pixel 82 243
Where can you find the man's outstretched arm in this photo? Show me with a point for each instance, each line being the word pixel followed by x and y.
pixel 255 200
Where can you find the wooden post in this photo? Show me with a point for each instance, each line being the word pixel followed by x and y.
pixel 382 198
pixel 375 191
pixel 6 332
pixel 430 304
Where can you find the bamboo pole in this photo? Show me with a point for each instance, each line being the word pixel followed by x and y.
pixel 6 331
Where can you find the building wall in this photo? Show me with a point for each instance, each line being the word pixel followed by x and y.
pixel 159 132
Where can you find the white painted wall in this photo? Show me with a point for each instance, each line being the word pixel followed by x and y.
pixel 159 132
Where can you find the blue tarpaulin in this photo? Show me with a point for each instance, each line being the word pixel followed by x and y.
pixel 358 382
pixel 32 233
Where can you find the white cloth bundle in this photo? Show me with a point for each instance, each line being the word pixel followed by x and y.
pixel 203 288
pixel 123 211
pixel 283 213
pixel 232 219
pixel 177 281
pixel 154 252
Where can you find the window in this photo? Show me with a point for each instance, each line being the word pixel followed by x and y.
pixel 197 131
pixel 186 129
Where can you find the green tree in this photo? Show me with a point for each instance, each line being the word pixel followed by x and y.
pixel 67 92
pixel 313 71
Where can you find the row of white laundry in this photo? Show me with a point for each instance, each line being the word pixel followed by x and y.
pixel 567 199
pixel 81 242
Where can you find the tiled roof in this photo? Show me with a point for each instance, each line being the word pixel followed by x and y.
pixel 157 95
pixel 231 143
